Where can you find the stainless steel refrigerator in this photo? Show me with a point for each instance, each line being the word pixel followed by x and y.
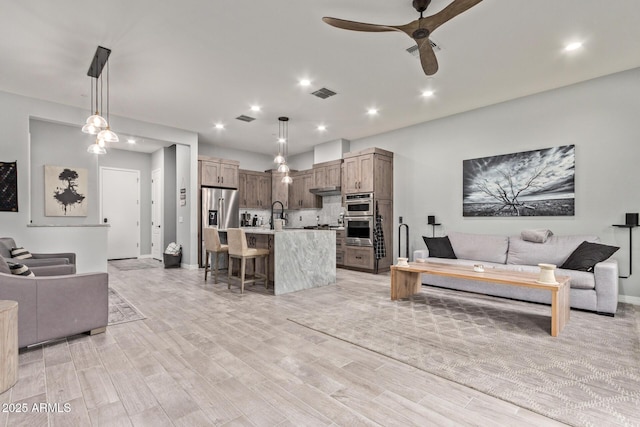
pixel 221 209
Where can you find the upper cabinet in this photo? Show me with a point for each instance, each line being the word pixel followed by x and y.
pixel 327 174
pixel 279 190
pixel 218 172
pixel 254 189
pixel 367 171
pixel 299 195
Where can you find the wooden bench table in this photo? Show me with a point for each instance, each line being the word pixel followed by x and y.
pixel 407 281
pixel 8 344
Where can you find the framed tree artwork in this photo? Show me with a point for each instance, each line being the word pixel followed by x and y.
pixel 9 186
pixel 529 183
pixel 65 191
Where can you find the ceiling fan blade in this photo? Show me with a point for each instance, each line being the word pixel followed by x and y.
pixel 427 57
pixel 455 8
pixel 357 26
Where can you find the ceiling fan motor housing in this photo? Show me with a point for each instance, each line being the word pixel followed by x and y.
pixel 421 5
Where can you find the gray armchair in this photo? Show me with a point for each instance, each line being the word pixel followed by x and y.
pixel 7 243
pixel 55 304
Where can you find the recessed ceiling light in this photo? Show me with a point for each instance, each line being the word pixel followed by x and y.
pixel 427 93
pixel 322 128
pixel 305 82
pixel 372 111
pixel 573 46
pixel 219 126
pixel 255 108
pixel 131 141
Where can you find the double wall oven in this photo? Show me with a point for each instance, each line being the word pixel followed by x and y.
pixel 359 219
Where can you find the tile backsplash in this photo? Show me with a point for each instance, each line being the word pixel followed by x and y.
pixel 329 214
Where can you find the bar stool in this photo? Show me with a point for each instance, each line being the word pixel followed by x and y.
pixel 213 247
pixel 238 249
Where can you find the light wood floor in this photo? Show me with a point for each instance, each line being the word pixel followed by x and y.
pixel 207 356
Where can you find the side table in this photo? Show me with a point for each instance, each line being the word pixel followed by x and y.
pixel 8 344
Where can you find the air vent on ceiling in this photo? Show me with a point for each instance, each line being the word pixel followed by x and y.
pixel 244 118
pixel 413 50
pixel 323 93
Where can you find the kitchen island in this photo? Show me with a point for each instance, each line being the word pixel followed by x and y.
pixel 299 259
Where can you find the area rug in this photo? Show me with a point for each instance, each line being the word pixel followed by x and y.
pixel 121 310
pixel 589 375
pixel 135 264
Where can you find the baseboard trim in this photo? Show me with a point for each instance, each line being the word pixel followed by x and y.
pixel 629 299
pixel 145 256
pixel 190 266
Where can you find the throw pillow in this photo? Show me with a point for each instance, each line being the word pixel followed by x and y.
pixel 439 247
pixel 536 236
pixel 20 270
pixel 587 255
pixel 20 253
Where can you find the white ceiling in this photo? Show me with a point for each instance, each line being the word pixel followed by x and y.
pixel 193 63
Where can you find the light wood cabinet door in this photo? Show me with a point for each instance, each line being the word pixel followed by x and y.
pixel 296 191
pixel 252 191
pixel 263 195
pixel 228 175
pixel 333 175
pixel 351 175
pixel 320 177
pixel 242 189
pixel 366 171
pixel 359 257
pixel 209 173
pixel 279 191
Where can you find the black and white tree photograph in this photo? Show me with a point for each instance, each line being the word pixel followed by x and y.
pixel 65 191
pixel 529 183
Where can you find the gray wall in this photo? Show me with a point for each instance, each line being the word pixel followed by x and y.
pixel 63 145
pixel 169 198
pixel 599 116
pixel 185 222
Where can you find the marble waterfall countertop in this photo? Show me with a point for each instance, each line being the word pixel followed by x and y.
pixel 300 258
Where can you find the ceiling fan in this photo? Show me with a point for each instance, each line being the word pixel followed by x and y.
pixel 419 30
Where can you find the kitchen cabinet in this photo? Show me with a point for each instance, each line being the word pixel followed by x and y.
pixel 369 171
pixel 279 190
pixel 254 189
pixel 327 174
pixel 299 195
pixel 359 257
pixel 339 248
pixel 218 172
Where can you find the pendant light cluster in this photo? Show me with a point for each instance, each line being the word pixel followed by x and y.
pixel 96 124
pixel 283 149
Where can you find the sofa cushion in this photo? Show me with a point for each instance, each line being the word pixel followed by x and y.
pixel 555 250
pixel 587 255
pixel 20 270
pixel 4 267
pixel 480 247
pixel 439 247
pixel 20 253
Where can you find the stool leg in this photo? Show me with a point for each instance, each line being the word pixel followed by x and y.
pixel 266 272
pixel 229 273
pixel 215 272
pixel 243 265
pixel 206 264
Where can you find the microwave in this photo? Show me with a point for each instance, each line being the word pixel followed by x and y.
pixel 359 204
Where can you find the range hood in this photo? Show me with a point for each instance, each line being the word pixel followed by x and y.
pixel 333 190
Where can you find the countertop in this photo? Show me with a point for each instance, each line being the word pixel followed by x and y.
pixel 260 230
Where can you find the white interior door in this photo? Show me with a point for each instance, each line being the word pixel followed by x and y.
pixel 121 210
pixel 156 214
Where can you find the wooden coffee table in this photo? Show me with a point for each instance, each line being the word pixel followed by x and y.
pixel 407 281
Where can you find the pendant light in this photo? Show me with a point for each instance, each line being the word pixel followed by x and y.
pixel 283 149
pixel 96 124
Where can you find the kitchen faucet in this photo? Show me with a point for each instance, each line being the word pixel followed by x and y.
pixel 281 212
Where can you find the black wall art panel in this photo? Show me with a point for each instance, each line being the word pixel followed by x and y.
pixel 9 186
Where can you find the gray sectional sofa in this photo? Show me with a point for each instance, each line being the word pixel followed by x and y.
pixel 594 291
pixel 56 303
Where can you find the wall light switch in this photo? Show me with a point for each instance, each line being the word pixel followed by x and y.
pixel 180 219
